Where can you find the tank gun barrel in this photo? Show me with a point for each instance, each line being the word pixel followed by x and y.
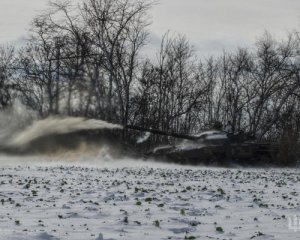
pixel 163 133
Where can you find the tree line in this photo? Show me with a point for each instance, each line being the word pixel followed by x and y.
pixel 87 60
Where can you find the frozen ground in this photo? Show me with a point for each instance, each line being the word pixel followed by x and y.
pixel 141 200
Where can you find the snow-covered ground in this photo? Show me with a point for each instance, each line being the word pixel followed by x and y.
pixel 132 199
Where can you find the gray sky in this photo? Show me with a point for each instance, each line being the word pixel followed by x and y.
pixel 210 25
pixel 15 16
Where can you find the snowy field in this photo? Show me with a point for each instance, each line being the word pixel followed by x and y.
pixel 144 200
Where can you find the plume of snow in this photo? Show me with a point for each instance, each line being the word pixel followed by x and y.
pixel 55 125
pixel 20 126
pixel 143 138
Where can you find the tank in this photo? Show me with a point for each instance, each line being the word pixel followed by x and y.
pixel 213 148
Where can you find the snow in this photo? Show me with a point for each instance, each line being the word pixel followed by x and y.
pixel 212 135
pixel 132 199
pixel 216 136
pixel 53 125
pixel 212 132
pixel 162 148
pixel 143 138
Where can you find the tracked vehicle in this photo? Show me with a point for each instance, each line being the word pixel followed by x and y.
pixel 213 148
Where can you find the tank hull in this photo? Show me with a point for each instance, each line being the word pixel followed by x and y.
pixel 225 154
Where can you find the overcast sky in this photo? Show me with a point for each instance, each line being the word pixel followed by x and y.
pixel 210 25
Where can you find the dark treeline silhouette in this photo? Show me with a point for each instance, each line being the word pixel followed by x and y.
pixel 86 60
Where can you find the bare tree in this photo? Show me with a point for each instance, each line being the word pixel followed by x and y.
pixel 118 33
pixel 7 54
pixel 173 88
